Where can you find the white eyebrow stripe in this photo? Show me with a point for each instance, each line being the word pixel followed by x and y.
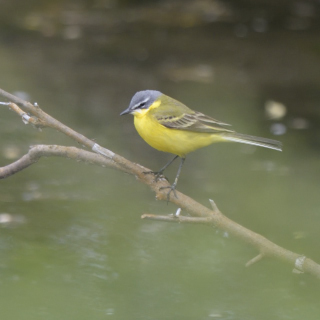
pixel 140 103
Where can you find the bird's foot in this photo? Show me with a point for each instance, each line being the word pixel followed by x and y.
pixel 172 189
pixel 157 174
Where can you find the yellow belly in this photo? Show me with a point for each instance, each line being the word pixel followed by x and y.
pixel 179 142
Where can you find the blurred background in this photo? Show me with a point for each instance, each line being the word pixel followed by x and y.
pixel 72 244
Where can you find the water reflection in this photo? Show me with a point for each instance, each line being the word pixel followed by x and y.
pixel 80 249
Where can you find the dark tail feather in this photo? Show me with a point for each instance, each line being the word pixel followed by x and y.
pixel 256 141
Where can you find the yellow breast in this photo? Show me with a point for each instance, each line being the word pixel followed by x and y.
pixel 179 142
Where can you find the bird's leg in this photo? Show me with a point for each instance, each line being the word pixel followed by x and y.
pixel 159 173
pixel 173 186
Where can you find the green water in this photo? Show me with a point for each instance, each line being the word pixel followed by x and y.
pixel 77 248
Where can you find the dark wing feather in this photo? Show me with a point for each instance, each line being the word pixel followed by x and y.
pixel 173 114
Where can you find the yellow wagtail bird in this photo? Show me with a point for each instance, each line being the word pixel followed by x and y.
pixel 168 125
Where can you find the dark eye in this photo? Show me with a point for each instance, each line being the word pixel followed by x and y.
pixel 141 104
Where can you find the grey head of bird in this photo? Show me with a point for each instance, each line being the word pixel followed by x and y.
pixel 142 100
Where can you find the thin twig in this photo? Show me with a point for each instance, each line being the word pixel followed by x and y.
pixel 174 218
pixel 214 206
pixel 254 260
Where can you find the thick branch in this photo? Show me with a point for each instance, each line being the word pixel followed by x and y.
pixel 105 157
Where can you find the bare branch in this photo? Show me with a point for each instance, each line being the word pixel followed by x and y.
pixel 36 152
pixel 105 157
pixel 46 120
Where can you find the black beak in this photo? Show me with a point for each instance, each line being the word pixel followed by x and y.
pixel 125 111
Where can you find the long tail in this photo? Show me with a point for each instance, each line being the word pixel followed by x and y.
pixel 256 141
